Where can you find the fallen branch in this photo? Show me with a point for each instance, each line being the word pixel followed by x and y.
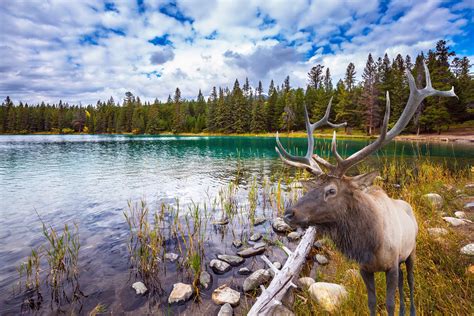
pixel 284 278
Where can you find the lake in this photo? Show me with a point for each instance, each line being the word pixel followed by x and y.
pixel 88 179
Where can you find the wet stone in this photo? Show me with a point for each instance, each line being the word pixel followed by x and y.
pixel 181 292
pixel 237 243
pixel 205 279
pixel 172 257
pixel 255 237
pixel 139 288
pixel 321 259
pixel 280 226
pixel 219 266
pixel 232 260
pixel 259 245
pixel 226 310
pixel 244 271
pixel 224 294
pixel 257 278
pixel 250 252
pixel 259 221
pixel 293 236
pixel 224 221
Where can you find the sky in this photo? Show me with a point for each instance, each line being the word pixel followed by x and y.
pixel 85 50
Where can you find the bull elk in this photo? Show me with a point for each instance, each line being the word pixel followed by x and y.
pixel 365 224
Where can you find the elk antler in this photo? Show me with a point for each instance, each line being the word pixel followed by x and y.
pixel 310 161
pixel 307 161
pixel 414 100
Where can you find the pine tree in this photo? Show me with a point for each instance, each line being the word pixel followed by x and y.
pixel 369 96
pixel 315 76
pixel 328 81
pixel 349 79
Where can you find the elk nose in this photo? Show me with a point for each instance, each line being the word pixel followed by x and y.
pixel 289 214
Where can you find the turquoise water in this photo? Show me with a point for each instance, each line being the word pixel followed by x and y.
pixel 88 179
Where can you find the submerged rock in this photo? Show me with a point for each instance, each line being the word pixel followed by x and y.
pixel 205 279
pixel 181 292
pixel 244 271
pixel 139 288
pixel 237 243
pixel 250 252
pixel 305 282
pixel 257 278
pixel 219 266
pixel 453 221
pixel 294 236
pixel 232 260
pixel 224 221
pixel 255 237
pixel 226 310
pixel 224 294
pixel 280 226
pixel 468 250
pixel 172 257
pixel 434 199
pixel 259 221
pixel 328 295
pixel 437 231
pixel 321 259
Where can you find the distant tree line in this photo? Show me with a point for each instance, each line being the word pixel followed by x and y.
pixel 244 109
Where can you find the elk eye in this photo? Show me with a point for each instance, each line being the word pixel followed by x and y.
pixel 331 192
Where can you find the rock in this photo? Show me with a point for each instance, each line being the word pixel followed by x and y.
pixel 237 243
pixel 219 266
pixel 434 199
pixel 224 221
pixel 257 278
pixel 139 288
pixel 468 250
pixel 181 292
pixel 255 237
pixel 321 259
pixel 305 282
pixel 259 245
pixel 226 310
pixel 460 214
pixel 469 206
pixel 249 252
pixel 224 294
pixel 318 244
pixel 453 221
pixel 232 260
pixel 294 236
pixel 328 295
pixel 281 310
pixel 245 271
pixel 280 226
pixel 205 279
pixel 277 265
pixel 172 257
pixel 437 231
pixel 259 221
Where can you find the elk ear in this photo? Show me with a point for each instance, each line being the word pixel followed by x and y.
pixel 365 180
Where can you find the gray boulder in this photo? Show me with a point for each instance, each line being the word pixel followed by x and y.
pixel 257 278
pixel 219 266
pixel 226 310
pixel 224 294
pixel 232 260
pixel 181 292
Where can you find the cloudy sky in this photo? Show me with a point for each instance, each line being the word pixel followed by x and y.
pixel 85 50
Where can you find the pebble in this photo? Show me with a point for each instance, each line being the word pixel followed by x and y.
pixel 205 279
pixel 245 271
pixel 460 214
pixel 255 237
pixel 221 222
pixel 257 278
pixel 328 295
pixel 305 282
pixel 181 292
pixel 277 265
pixel 226 310
pixel 259 221
pixel 232 260
pixel 139 288
pixel 172 257
pixel 224 294
pixel 468 250
pixel 249 252
pixel 294 236
pixel 321 259
pixel 453 221
pixel 237 243
pixel 219 266
pixel 437 231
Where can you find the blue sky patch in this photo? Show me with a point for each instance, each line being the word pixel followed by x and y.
pixel 161 40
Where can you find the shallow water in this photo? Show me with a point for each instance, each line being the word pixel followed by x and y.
pixel 89 179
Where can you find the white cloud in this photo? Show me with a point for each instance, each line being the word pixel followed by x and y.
pixel 80 52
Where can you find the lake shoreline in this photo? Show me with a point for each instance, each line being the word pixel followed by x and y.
pixel 466 136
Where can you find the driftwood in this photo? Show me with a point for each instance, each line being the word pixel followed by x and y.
pixel 284 278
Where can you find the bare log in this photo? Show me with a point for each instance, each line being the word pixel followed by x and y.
pixel 284 278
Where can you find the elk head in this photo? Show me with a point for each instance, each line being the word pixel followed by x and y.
pixel 331 195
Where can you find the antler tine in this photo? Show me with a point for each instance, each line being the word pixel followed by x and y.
pixel 309 161
pixel 414 100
